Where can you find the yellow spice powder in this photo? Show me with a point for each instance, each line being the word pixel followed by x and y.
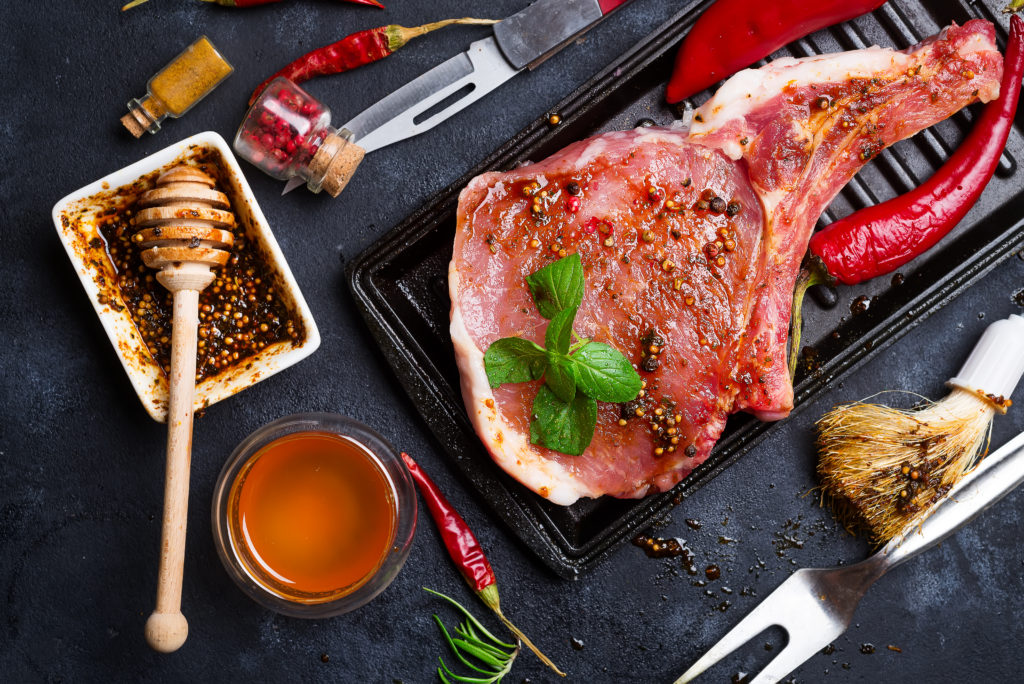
pixel 193 74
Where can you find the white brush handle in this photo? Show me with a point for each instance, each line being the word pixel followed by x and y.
pixel 997 361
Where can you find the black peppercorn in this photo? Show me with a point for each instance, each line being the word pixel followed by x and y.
pixel 652 337
pixel 628 409
pixel 240 314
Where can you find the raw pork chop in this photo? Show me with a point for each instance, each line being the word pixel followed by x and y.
pixel 696 234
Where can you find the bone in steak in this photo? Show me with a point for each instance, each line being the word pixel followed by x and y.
pixel 696 234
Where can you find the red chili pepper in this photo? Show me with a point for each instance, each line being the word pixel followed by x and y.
pixel 881 238
pixel 466 551
pixel 355 50
pixel 733 34
pixel 460 541
pixel 252 3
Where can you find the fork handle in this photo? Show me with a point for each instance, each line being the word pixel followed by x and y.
pixel 996 477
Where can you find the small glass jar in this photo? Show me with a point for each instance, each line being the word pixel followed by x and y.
pixel 177 87
pixel 247 556
pixel 287 133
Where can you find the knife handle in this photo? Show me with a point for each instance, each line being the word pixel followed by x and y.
pixel 334 163
pixel 609 5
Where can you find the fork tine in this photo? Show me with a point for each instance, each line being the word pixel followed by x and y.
pixel 758 620
pixel 810 625
pixel 795 654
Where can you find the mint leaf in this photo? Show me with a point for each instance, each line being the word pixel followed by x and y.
pixel 567 427
pixel 557 286
pixel 602 372
pixel 565 408
pixel 559 376
pixel 513 359
pixel 559 332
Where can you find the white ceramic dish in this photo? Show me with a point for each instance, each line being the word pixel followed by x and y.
pixel 96 274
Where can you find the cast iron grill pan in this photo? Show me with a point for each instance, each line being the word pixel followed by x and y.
pixel 400 282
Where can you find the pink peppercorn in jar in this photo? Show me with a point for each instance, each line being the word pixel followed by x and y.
pixel 287 133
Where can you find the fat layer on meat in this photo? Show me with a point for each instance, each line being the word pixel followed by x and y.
pixel 774 145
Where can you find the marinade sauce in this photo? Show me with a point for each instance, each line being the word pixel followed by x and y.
pixel 312 516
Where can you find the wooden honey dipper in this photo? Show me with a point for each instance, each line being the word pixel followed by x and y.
pixel 185 229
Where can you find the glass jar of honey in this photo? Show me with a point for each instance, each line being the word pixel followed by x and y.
pixel 313 515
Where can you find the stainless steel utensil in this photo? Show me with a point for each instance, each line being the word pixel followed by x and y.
pixel 521 41
pixel 816 605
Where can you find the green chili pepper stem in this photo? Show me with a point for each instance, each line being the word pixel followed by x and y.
pixel 398 36
pixel 813 273
pixel 526 641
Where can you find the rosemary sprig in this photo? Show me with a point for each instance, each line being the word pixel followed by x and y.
pixel 475 647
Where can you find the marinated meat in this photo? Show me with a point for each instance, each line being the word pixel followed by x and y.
pixel 691 238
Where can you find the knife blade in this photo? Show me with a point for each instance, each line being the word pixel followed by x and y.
pixel 521 41
pixel 428 100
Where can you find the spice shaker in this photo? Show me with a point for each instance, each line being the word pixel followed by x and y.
pixel 177 87
pixel 287 133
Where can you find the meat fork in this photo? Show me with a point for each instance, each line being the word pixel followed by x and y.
pixel 816 605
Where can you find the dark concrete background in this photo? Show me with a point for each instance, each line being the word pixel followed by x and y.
pixel 82 464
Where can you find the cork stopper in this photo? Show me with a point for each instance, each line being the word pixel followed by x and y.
pixel 135 122
pixel 143 116
pixel 334 164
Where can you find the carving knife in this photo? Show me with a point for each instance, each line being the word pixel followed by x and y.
pixel 522 41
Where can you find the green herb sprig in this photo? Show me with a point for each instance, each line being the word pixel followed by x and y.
pixel 577 372
pixel 475 647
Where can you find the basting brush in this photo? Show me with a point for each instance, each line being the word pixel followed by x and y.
pixel 881 468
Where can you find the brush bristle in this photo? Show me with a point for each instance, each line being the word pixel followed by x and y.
pixel 882 468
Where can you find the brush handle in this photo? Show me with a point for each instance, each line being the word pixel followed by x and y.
pixel 996 477
pixel 996 362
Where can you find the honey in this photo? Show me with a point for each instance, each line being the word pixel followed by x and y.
pixel 312 516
